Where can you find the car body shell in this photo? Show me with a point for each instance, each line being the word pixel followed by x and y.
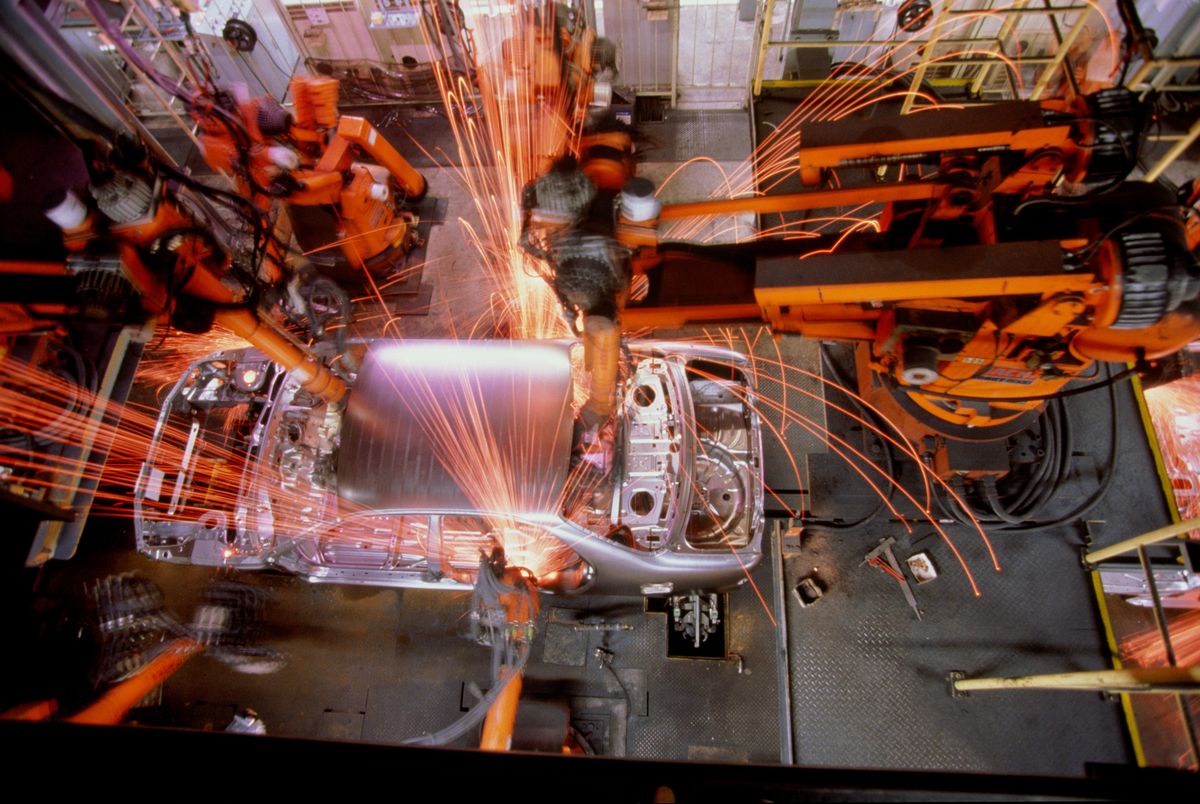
pixel 446 449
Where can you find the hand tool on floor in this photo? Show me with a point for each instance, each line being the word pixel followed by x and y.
pixel 883 558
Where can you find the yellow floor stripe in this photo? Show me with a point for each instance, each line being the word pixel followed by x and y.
pixel 1169 494
pixel 1135 736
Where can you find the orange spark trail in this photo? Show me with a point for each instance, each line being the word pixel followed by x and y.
pixel 170 351
pixel 903 444
pixel 816 432
pixel 1174 411
pixel 522 125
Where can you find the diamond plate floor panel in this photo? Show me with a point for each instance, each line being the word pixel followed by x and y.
pixel 868 680
pixel 684 134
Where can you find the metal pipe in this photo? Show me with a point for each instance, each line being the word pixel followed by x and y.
pixel 792 83
pixel 918 78
pixel 789 15
pixel 1060 58
pixel 830 43
pixel 600 627
pixel 1006 30
pixel 1094 557
pixel 1160 619
pixel 1189 726
pixel 1173 62
pixel 1178 61
pixel 984 58
pixel 1015 10
pixel 1189 46
pixel 1142 71
pixel 1136 680
pixel 768 12
pixel 1181 88
pixel 782 660
pixel 1166 137
pixel 674 13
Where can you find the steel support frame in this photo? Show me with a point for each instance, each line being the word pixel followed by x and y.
pixel 987 61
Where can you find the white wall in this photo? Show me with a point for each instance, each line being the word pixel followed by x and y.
pixel 269 67
pixel 716 49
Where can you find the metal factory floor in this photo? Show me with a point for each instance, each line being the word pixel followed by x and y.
pixel 865 679
pixel 869 680
pixel 383 665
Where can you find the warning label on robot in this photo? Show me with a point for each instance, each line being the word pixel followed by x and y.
pixel 1013 375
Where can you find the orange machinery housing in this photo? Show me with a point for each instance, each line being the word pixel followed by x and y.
pixel 981 291
pixel 180 272
pixel 360 186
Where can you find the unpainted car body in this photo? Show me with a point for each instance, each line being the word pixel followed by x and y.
pixel 444 450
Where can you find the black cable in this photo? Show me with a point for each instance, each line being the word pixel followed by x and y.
pixel 1054 468
pixel 1058 455
pixel 1038 484
pixel 993 500
pixel 109 138
pixel 106 136
pixel 317 327
pixel 1101 491
pixel 1091 195
pixel 604 659
pixel 949 507
pixel 1005 519
pixel 249 212
pixel 275 64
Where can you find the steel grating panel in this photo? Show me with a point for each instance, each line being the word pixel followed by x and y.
pixel 683 135
pixel 706 709
pixel 868 679
pixel 397 712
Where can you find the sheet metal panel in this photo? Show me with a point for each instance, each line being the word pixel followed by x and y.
pixel 424 415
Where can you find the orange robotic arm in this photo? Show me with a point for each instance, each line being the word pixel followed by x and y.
pixel 358 132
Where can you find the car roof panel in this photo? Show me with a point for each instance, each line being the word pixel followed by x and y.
pixel 458 426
